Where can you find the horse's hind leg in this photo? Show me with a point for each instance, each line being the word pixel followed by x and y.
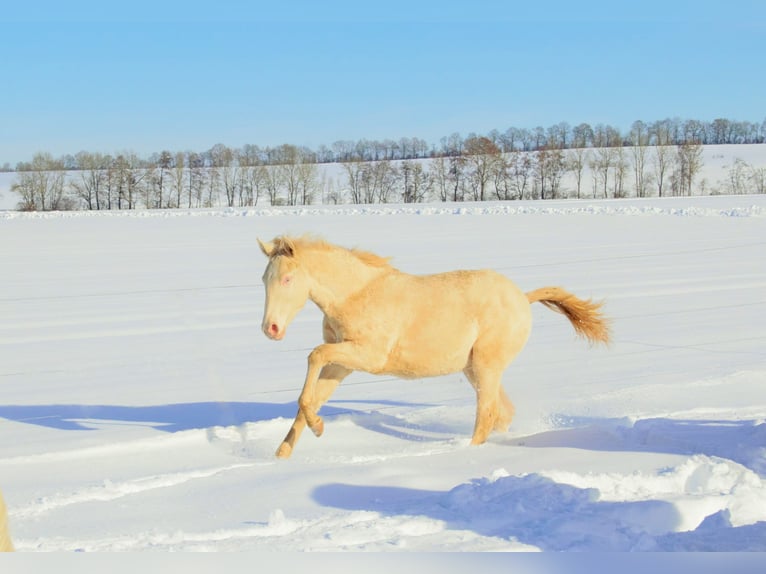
pixel 329 379
pixel 491 410
pixel 506 411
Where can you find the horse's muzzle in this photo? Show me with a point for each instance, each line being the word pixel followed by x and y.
pixel 272 331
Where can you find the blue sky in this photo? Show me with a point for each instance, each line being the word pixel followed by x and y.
pixel 149 76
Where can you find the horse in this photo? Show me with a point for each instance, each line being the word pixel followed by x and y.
pixel 383 321
pixel 5 538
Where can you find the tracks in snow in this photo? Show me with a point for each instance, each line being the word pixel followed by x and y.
pixel 113 490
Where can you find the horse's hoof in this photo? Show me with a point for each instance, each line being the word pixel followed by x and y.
pixel 284 450
pixel 318 428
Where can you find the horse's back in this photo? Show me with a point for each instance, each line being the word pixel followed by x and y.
pixel 480 293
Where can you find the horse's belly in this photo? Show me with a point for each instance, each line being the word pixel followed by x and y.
pixel 430 354
pixel 421 369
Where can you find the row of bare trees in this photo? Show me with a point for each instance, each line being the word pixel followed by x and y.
pixel 485 172
pixel 482 172
pixel 665 132
pixel 745 178
pixel 168 181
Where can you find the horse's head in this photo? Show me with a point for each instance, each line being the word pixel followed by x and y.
pixel 287 286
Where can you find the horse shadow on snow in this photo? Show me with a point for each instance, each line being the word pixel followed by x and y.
pixel 742 441
pixel 539 511
pixel 535 510
pixel 202 415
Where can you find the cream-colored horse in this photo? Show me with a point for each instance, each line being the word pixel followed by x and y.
pixel 5 537
pixel 380 320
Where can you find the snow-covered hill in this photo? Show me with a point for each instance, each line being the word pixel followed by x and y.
pixel 724 169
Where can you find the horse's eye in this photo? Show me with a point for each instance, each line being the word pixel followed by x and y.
pixel 286 279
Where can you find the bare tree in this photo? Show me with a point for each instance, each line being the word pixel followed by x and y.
pixel 758 179
pixel 212 187
pixel 250 155
pixel 601 164
pixel 120 173
pixel 620 172
pixel 578 158
pixel 178 182
pixel 737 177
pixel 406 149
pixel 452 145
pixel 324 154
pixel 298 173
pixel 440 178
pixel 148 188
pixel 416 181
pixel 129 175
pixel 41 187
pixel 457 178
pixel 90 179
pixel 509 140
pixel 330 193
pixel 386 178
pixel 558 136
pixel 582 136
pixel 694 130
pixel 164 162
pixel 521 168
pixel 481 156
pixel 549 168
pixel 272 181
pixel 252 185
pixel 538 138
pixel 688 164
pixel 354 176
pixel 390 148
pixel 226 162
pixel 343 150
pixel 195 180
pixel 307 181
pixel 639 139
pixel 721 131
pixel 663 157
pixel 502 180
pixel 368 183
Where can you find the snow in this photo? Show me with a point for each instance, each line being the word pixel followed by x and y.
pixel 140 405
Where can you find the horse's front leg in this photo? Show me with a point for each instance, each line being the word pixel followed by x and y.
pixel 329 379
pixel 349 355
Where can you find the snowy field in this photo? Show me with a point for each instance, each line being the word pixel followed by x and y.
pixel 140 404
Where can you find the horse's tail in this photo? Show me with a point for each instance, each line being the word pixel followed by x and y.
pixel 586 316
pixel 5 538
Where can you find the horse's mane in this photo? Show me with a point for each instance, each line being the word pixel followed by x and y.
pixel 292 246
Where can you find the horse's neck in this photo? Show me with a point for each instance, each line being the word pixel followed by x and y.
pixel 336 276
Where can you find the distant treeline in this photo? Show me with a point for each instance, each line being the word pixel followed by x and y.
pixel 559 136
pixel 659 158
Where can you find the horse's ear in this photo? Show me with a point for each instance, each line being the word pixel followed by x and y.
pixel 266 247
pixel 280 246
pixel 284 246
